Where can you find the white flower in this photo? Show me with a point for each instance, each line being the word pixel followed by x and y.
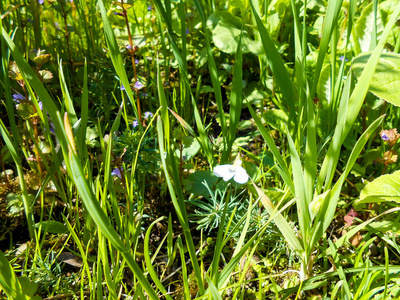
pixel 235 170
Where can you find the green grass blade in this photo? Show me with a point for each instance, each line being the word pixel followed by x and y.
pixel 81 134
pixel 5 58
pixel 277 66
pixel 332 13
pixel 281 166
pixel 213 290
pixel 355 102
pixel 212 66
pixel 8 281
pixel 69 105
pixel 186 288
pixel 163 104
pixel 116 58
pixel 340 272
pixel 302 202
pixel 102 221
pixel 284 227
pixel 178 202
pixel 18 162
pixel 150 269
pixel 328 208
pixel 236 101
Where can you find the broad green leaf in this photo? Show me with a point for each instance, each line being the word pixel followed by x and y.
pixel 8 281
pixel 364 27
pixel 226 30
pixel 385 80
pixel 277 119
pixel 189 152
pixel 28 287
pixel 52 227
pixel 383 188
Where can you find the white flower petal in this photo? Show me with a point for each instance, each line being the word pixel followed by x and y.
pixel 224 171
pixel 238 173
pixel 221 170
pixel 241 176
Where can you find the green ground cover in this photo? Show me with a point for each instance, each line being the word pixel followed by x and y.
pixel 199 149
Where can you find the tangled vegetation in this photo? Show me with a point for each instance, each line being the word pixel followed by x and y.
pixel 199 149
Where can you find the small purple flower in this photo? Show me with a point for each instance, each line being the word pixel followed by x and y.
pixel 30 20
pixel 18 97
pixel 149 8
pixel 135 123
pixel 136 61
pixel 71 1
pixel 122 87
pixel 384 136
pixel 138 85
pixel 116 172
pixel 148 114
pixel 129 47
pixel 342 58
pixel 41 1
pixel 187 31
pixel 40 105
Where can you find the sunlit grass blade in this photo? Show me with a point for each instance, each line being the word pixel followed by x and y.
pixel 277 66
pixel 284 227
pixel 386 272
pixel 281 165
pixel 163 104
pixel 178 202
pixel 186 288
pixel 212 66
pixel 117 59
pixel 81 134
pixel 150 269
pixel 340 270
pixel 332 13
pixel 86 268
pixel 328 207
pixel 101 220
pixel 5 57
pixel 31 77
pixel 219 243
pixel 302 202
pixel 242 237
pixel 226 273
pixel 345 238
pixel 214 291
pixel 236 101
pixel 355 101
pixel 8 280
pixel 183 73
pixel 69 105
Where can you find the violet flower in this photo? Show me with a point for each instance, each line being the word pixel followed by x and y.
pixel 116 172
pixel 148 114
pixel 18 97
pixel 138 85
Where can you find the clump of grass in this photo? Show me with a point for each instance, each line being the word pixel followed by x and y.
pixel 116 114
